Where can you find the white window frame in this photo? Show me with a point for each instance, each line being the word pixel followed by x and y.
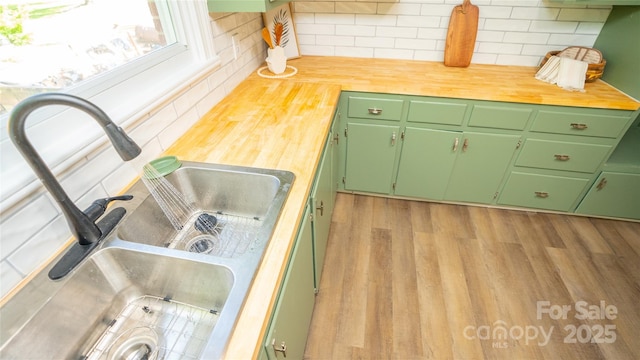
pixel 125 94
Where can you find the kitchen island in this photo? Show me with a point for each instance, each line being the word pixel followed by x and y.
pixel 282 124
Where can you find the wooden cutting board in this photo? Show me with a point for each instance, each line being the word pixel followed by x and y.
pixel 461 35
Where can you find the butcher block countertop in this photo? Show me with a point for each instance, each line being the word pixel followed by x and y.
pixel 283 124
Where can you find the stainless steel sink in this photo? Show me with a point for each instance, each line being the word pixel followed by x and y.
pixel 146 292
pixel 245 203
pixel 120 301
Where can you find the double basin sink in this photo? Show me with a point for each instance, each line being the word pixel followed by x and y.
pixel 154 290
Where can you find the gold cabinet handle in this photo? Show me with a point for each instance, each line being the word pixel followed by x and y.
pixel 393 138
pixel 282 348
pixel 375 111
pixel 455 144
pixel 542 194
pixel 602 184
pixel 578 126
pixel 465 145
pixel 561 157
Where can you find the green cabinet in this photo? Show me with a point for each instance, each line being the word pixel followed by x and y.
pixel 322 202
pixel 371 152
pixel 480 166
pixel 550 192
pixel 613 194
pixel 243 5
pixel 287 333
pixel 521 155
pixel 426 162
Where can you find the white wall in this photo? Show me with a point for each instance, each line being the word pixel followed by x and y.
pixel 510 32
pixel 32 228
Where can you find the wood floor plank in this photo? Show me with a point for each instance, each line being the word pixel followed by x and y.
pixel 403 279
pixel 351 330
pixel 380 324
pixel 457 301
pixel 407 333
pixel 436 342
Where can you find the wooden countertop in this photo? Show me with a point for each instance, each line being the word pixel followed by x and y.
pixel 283 123
pixel 479 82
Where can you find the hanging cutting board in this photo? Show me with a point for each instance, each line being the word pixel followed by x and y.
pixel 461 35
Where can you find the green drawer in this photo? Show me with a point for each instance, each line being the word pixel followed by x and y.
pixel 576 123
pixel 500 117
pixel 437 112
pixel 559 155
pixel 542 191
pixel 375 108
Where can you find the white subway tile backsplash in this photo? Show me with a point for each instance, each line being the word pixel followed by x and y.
pixel 371 42
pixel 419 21
pixel 331 19
pixel 41 246
pixel 496 12
pixel 539 50
pixel 428 55
pixel 525 38
pixel 415 44
pixel 351 51
pixel 479 58
pixel 392 53
pixel 10 277
pixel 317 29
pixel 436 10
pixel 491 36
pixel 534 13
pixel 584 14
pixel 355 30
pixel 369 19
pixel 25 222
pixel 519 60
pixel 432 33
pixel 396 32
pixel 573 39
pixel 592 28
pixel 564 27
pixel 499 48
pixel 335 40
pixel 506 24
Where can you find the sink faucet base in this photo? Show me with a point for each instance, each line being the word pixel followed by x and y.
pixel 77 252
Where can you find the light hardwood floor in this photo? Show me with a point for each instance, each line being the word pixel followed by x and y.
pixel 418 280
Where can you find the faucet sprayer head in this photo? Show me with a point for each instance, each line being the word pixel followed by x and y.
pixel 124 145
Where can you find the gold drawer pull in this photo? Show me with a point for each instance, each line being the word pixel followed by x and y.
pixel 602 184
pixel 375 111
pixel 579 126
pixel 455 144
pixel 561 157
pixel 542 194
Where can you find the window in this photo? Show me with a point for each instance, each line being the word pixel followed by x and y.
pixel 84 46
pixel 125 56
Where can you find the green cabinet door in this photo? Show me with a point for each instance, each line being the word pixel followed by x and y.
pixel 426 162
pixel 480 166
pixel 322 198
pixel 292 316
pixel 371 151
pixel 613 194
